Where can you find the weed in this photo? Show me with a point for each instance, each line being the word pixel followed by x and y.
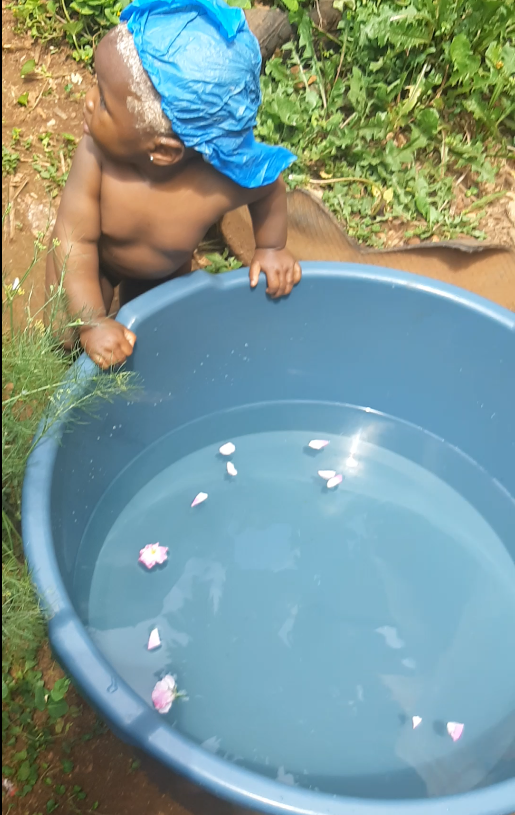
pixel 54 165
pixel 221 262
pixel 385 115
pixel 81 22
pixel 38 721
pixel 36 392
pixel 10 160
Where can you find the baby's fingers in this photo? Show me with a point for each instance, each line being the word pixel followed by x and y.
pixel 130 337
pixel 274 284
pixel 254 272
pixel 288 281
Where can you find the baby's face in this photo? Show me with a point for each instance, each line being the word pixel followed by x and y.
pixel 106 117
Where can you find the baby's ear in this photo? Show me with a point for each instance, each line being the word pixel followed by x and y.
pixel 167 150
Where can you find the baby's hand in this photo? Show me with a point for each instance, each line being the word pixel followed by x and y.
pixel 107 342
pixel 280 267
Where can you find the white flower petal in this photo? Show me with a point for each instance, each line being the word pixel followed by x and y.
pixel 231 469
pixel 318 444
pixel 199 499
pixel 415 721
pixel 455 730
pixel 327 474
pixel 16 283
pixel 227 449
pixel 333 482
pixel 154 641
pixel 170 682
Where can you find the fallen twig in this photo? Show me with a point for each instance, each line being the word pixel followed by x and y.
pixel 36 103
pixel 20 189
pixel 343 180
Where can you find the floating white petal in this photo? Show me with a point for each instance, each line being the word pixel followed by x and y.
pixel 416 720
pixel 333 482
pixel 318 444
pixel 231 469
pixel 327 474
pixel 455 730
pixel 227 449
pixel 154 641
pixel 199 499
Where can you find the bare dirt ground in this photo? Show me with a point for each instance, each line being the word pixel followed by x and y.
pixel 106 769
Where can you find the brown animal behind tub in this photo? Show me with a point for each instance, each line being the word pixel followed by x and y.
pixel 314 234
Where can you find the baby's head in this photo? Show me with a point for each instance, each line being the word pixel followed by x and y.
pixel 123 110
pixel 180 78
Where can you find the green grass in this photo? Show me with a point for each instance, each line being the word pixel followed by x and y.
pixel 36 392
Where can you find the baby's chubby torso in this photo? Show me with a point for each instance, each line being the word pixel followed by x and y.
pixel 150 229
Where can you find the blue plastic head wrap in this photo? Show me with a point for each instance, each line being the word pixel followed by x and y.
pixel 204 63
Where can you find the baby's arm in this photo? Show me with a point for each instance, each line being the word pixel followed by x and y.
pixel 269 220
pixel 77 231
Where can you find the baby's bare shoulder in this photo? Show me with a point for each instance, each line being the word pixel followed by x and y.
pixel 205 178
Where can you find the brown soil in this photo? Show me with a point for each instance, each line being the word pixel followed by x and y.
pixel 50 109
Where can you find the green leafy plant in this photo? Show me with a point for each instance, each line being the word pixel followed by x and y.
pixel 80 22
pixel 54 164
pixel 10 160
pixel 221 262
pixel 385 115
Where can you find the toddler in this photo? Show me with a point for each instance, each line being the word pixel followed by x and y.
pixel 168 149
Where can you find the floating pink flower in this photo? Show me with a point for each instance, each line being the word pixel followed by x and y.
pixel 199 499
pixel 334 481
pixel 415 721
pixel 318 444
pixel 164 694
pixel 153 554
pixel 455 730
pixel 154 641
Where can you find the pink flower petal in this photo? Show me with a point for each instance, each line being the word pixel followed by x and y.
pixel 415 721
pixel 455 730
pixel 199 499
pixel 231 469
pixel 153 554
pixel 318 444
pixel 154 641
pixel 164 693
pixel 227 449
pixel 333 482
pixel 327 474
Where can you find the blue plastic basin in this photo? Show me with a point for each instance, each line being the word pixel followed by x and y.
pixel 398 598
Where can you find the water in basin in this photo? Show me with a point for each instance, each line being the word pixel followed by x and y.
pixel 309 626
